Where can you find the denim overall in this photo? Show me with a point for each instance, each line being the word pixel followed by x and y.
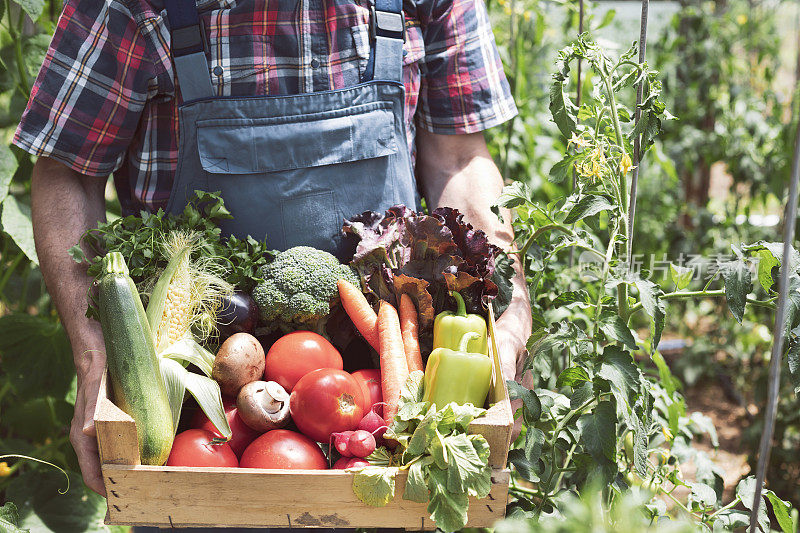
pixel 291 168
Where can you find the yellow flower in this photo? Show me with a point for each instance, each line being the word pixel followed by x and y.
pixel 625 163
pixel 578 141
pixel 527 17
pixel 507 10
pixel 741 19
pixel 667 433
pixel 4 469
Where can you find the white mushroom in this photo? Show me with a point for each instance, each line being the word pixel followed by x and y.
pixel 263 405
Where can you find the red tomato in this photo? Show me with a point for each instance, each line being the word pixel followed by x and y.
pixel 241 434
pixel 294 355
pixel 281 448
pixel 370 381
pixel 193 447
pixel 326 401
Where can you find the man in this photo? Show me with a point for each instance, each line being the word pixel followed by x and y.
pixel 300 111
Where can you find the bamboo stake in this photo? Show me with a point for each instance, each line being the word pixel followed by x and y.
pixel 765 446
pixel 637 140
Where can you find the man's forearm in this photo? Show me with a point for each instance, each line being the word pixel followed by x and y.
pixel 64 204
pixel 457 171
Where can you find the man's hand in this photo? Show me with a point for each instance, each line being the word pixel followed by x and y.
pixel 82 433
pixel 457 171
pixel 65 204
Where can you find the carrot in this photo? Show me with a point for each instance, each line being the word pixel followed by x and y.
pixel 360 312
pixel 409 325
pixel 394 369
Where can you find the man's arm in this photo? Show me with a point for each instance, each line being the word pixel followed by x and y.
pixel 64 204
pixel 457 171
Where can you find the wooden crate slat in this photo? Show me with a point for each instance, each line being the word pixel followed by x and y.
pixel 180 496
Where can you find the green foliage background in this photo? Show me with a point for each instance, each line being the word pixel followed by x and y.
pixel 724 77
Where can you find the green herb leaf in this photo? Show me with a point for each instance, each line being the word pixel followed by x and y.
pixel 465 470
pixel 374 485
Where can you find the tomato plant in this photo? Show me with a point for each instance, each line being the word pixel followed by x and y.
pixel 326 401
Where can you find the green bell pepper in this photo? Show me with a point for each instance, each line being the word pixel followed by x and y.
pixel 457 375
pixel 449 327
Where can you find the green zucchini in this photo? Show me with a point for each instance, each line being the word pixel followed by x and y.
pixel 133 366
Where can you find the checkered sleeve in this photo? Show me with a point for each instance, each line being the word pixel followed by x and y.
pixel 88 97
pixel 463 87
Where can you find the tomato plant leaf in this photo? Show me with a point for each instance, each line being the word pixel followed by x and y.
pixel 618 369
pixel 581 395
pixel 587 206
pixel 782 511
pixel 681 276
pixel 9 519
pixel 531 406
pixel 16 222
pixel 616 329
pixel 561 106
pixel 562 171
pixel 737 278
pixel 702 494
pixel 572 377
pixel 8 166
pixel 746 490
pixel 650 296
pixel 794 364
pixel 374 485
pixel 598 431
pixel 33 8
pixel 534 440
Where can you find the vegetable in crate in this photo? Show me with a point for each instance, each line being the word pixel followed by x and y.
pixel 238 313
pixel 198 447
pixel 296 354
pixel 449 328
pixel 281 448
pixel 445 465
pixel 263 405
pixel 133 364
pixel 239 361
pixel 299 288
pixel 187 294
pixel 459 376
pixel 241 434
pixel 326 401
pixel 426 256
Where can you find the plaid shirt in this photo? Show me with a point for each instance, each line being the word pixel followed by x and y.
pixel 105 99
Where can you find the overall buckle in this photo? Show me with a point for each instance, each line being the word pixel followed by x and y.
pixel 386 24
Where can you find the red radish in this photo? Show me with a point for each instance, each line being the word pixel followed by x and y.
pixel 356 462
pixel 341 464
pixel 340 442
pixel 373 423
pixel 361 443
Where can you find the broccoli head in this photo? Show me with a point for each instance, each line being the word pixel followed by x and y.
pixel 299 288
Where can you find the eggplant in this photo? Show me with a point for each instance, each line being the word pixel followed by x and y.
pixel 239 314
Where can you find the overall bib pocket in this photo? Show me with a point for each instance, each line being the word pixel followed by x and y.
pixel 294 178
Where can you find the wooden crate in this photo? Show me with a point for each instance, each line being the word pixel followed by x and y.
pixel 233 497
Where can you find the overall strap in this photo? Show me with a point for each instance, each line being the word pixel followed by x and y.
pixel 387 30
pixel 188 49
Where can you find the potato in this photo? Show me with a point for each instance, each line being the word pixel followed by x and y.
pixel 239 361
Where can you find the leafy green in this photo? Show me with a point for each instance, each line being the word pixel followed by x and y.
pixel 445 465
pixel 139 238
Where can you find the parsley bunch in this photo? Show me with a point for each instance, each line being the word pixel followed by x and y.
pixel 445 465
pixel 139 237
